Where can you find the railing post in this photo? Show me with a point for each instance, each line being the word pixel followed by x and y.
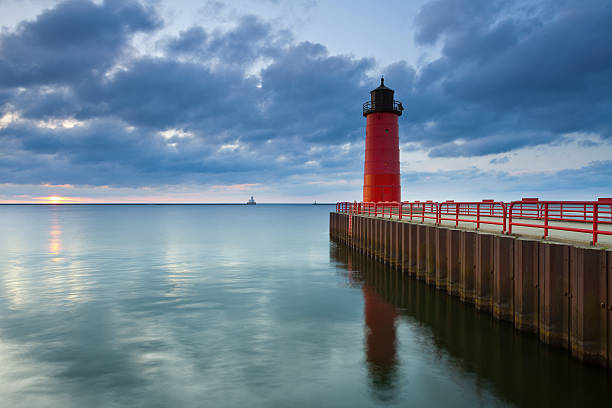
pixel 478 216
pixel 595 211
pixel 503 206
pixel 545 220
pixel 456 214
pixel 399 205
pixel 510 218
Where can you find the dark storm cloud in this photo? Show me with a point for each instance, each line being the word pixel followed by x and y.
pixel 160 93
pixel 303 92
pixel 73 40
pixel 189 42
pixel 251 39
pixel 523 71
pixel 251 104
pixel 312 95
pixel 107 153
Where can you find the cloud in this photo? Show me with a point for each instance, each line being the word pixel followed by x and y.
pixel 71 42
pixel 511 74
pixel 189 42
pixel 249 40
pixel 500 160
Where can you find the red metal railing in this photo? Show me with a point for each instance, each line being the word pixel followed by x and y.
pixel 485 212
pixel 420 210
pixel 526 213
pixel 593 213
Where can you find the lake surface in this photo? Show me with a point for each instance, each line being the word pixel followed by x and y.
pixel 245 306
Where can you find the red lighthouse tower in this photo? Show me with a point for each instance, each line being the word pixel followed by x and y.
pixel 381 179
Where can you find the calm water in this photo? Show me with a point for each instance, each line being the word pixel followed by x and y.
pixel 184 306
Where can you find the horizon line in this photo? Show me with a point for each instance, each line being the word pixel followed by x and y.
pixel 162 203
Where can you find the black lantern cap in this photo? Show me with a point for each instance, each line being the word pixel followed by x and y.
pixel 381 100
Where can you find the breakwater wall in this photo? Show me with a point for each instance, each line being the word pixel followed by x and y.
pixel 560 292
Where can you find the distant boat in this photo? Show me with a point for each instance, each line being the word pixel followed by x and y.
pixel 251 201
pixel 315 203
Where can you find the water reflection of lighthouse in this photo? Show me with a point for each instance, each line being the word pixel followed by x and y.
pixel 380 333
pixel 381 348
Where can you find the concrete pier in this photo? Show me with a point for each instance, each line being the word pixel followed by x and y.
pixel 560 292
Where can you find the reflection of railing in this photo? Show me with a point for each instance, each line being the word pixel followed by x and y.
pixel 527 213
pixel 395 107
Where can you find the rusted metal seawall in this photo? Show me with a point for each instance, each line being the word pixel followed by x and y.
pixel 560 292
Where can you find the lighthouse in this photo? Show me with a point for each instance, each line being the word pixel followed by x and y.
pixel 381 178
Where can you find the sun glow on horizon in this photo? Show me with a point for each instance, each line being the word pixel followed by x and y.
pixel 55 199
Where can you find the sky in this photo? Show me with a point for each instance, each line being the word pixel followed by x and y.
pixel 214 101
